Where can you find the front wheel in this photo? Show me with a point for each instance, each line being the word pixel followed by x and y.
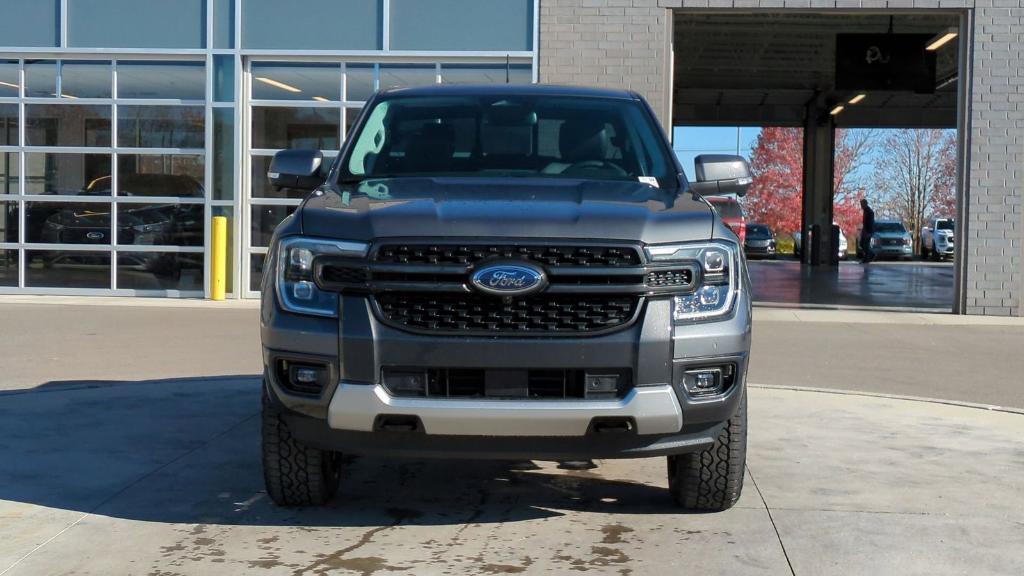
pixel 295 474
pixel 712 480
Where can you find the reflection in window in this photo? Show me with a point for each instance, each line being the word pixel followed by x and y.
pixel 359 82
pixel 172 80
pixel 265 219
pixel 84 79
pixel 9 222
pixel 223 153
pixel 256 271
pixel 160 224
pixel 67 222
pixel 288 81
pixel 401 75
pixel 167 175
pixel 67 125
pixel 41 78
pixel 275 128
pixel 67 269
pixel 8 267
pixel 161 126
pixel 9 80
pixel 159 271
pixel 486 74
pixel 8 124
pixel 75 174
pixel 8 172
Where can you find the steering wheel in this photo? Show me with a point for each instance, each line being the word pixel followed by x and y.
pixel 590 166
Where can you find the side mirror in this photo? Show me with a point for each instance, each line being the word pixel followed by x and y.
pixel 720 174
pixel 298 169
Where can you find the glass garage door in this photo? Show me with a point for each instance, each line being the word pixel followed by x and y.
pixel 102 176
pixel 313 105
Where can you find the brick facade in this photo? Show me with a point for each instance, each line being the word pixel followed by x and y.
pixel 625 43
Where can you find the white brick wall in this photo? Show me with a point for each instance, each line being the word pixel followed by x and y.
pixel 622 43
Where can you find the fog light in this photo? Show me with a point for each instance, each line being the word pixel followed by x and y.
pixel 306 375
pixel 406 383
pixel 704 381
pixel 709 295
pixel 303 290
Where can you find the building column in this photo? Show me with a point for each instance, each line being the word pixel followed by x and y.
pixel 819 144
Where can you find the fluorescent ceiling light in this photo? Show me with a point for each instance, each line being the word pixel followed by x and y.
pixel 941 39
pixel 856 99
pixel 277 84
pixel 320 99
pixel 68 96
pixel 839 108
pixel 2 83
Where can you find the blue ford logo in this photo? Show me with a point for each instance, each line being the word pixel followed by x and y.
pixel 509 279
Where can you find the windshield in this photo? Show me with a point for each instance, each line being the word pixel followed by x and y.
pixel 520 135
pixel 944 225
pixel 758 231
pixel 890 228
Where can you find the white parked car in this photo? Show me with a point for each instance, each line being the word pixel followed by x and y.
pixel 843 244
pixel 937 238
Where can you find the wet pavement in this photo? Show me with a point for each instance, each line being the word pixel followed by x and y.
pixel 902 285
pixel 163 478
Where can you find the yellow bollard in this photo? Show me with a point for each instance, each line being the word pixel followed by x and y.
pixel 219 258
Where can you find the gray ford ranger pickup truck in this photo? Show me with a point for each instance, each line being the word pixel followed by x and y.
pixel 505 272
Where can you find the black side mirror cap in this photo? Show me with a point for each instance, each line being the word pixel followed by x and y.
pixel 298 168
pixel 720 174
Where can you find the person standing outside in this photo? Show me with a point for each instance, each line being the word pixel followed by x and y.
pixel 866 230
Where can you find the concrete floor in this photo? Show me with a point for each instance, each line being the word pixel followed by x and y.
pixel 129 438
pixel 163 477
pixel 906 285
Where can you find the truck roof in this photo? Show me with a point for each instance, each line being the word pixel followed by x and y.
pixel 510 89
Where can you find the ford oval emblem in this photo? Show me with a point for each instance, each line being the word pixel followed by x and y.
pixel 507 279
pixel 94 235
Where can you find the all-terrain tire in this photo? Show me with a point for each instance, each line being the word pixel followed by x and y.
pixel 295 474
pixel 712 480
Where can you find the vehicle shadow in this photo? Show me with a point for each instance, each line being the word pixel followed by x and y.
pixel 187 451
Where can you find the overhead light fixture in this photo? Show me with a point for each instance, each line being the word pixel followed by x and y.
pixel 8 84
pixel 941 39
pixel 838 108
pixel 857 99
pixel 68 96
pixel 277 84
pixel 320 99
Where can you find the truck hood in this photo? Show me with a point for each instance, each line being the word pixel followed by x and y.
pixel 506 207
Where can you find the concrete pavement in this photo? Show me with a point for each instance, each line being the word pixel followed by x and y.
pixel 129 443
pixel 162 477
pixel 960 358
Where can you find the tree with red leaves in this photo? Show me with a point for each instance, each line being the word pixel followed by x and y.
pixel 776 196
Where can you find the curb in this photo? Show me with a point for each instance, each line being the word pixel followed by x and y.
pixel 957 403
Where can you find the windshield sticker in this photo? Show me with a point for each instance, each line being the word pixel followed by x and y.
pixel 651 180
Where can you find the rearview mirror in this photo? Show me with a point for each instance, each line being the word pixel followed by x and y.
pixel 298 168
pixel 720 174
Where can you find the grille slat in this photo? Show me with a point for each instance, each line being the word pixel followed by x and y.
pixel 538 314
pixel 467 254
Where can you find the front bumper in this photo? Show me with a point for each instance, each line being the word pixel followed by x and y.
pixel 346 415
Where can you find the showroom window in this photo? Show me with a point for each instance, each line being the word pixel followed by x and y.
pixel 103 175
pixel 314 105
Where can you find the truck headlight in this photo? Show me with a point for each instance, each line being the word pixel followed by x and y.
pixel 296 287
pixel 719 285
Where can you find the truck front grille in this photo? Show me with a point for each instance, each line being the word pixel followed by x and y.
pixel 611 256
pixel 479 313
